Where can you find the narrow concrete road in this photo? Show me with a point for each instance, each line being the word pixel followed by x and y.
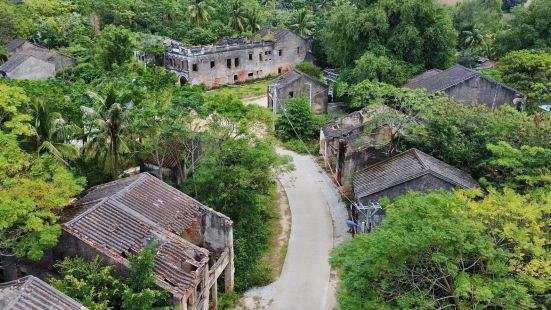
pixel 304 281
pixel 318 223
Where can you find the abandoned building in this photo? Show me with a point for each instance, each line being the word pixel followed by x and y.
pixel 31 293
pixel 412 170
pixel 270 52
pixel 469 87
pixel 295 84
pixel 29 61
pixel 194 244
pixel 359 139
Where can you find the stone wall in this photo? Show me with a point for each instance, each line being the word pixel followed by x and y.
pixel 299 88
pixel 480 90
pixel 422 184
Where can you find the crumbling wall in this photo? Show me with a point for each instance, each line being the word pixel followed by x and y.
pixel 217 231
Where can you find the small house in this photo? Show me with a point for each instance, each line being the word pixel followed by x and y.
pixel 295 84
pixel 469 87
pixel 412 170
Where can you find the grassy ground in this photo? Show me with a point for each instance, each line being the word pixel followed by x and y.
pixel 280 232
pixel 245 90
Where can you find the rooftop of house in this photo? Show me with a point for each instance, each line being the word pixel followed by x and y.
pixel 439 80
pixel 26 48
pixel 353 121
pixel 405 167
pixel 15 61
pixel 128 214
pixel 31 293
pixel 292 76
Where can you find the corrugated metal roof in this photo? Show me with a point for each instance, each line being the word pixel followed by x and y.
pixel 128 214
pixel 31 293
pixel 404 167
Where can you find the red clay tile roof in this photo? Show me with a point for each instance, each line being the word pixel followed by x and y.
pixel 128 214
pixel 31 293
pixel 404 167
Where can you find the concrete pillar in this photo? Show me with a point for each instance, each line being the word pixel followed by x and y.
pixel 230 269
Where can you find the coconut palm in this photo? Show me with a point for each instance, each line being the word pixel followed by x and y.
pixel 303 23
pixel 107 127
pixel 473 38
pixel 199 11
pixel 237 15
pixel 51 133
pixel 253 19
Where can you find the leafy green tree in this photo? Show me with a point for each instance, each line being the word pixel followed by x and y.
pixel 528 29
pixel 381 69
pixel 254 19
pixel 528 71
pixel 426 254
pixel 98 287
pixel 303 23
pixel 415 31
pixel 297 121
pixel 116 46
pixel 199 11
pixel 478 18
pixel 106 131
pixel 310 69
pixel 33 189
pixel 521 169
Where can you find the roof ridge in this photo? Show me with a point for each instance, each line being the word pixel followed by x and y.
pixel 419 154
pixel 24 285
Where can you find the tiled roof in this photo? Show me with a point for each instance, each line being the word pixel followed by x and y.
pixel 128 214
pixel 437 80
pixel 31 293
pixel 14 62
pixel 404 167
pixel 14 44
pixel 292 76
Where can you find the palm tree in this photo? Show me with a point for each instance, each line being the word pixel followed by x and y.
pixel 303 23
pixel 237 15
pixel 50 133
pixel 199 11
pixel 107 124
pixel 253 19
pixel 473 38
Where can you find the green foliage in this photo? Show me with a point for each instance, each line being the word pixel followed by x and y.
pixel 297 121
pixel 459 134
pixel 476 21
pixel 310 69
pixel 529 28
pixel 98 287
pixel 302 22
pixel 116 46
pixel 528 71
pixel 435 250
pixel 380 68
pixel 32 191
pixel 521 169
pixel 418 32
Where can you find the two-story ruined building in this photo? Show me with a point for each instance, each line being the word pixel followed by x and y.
pixel 270 52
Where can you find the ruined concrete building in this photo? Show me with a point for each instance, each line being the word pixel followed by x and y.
pixel 360 138
pixel 270 52
pixel 31 293
pixel 194 243
pixel 295 84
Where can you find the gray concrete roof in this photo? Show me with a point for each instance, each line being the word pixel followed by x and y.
pixel 14 62
pixel 31 293
pixel 405 167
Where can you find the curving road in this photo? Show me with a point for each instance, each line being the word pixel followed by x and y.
pixel 305 278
